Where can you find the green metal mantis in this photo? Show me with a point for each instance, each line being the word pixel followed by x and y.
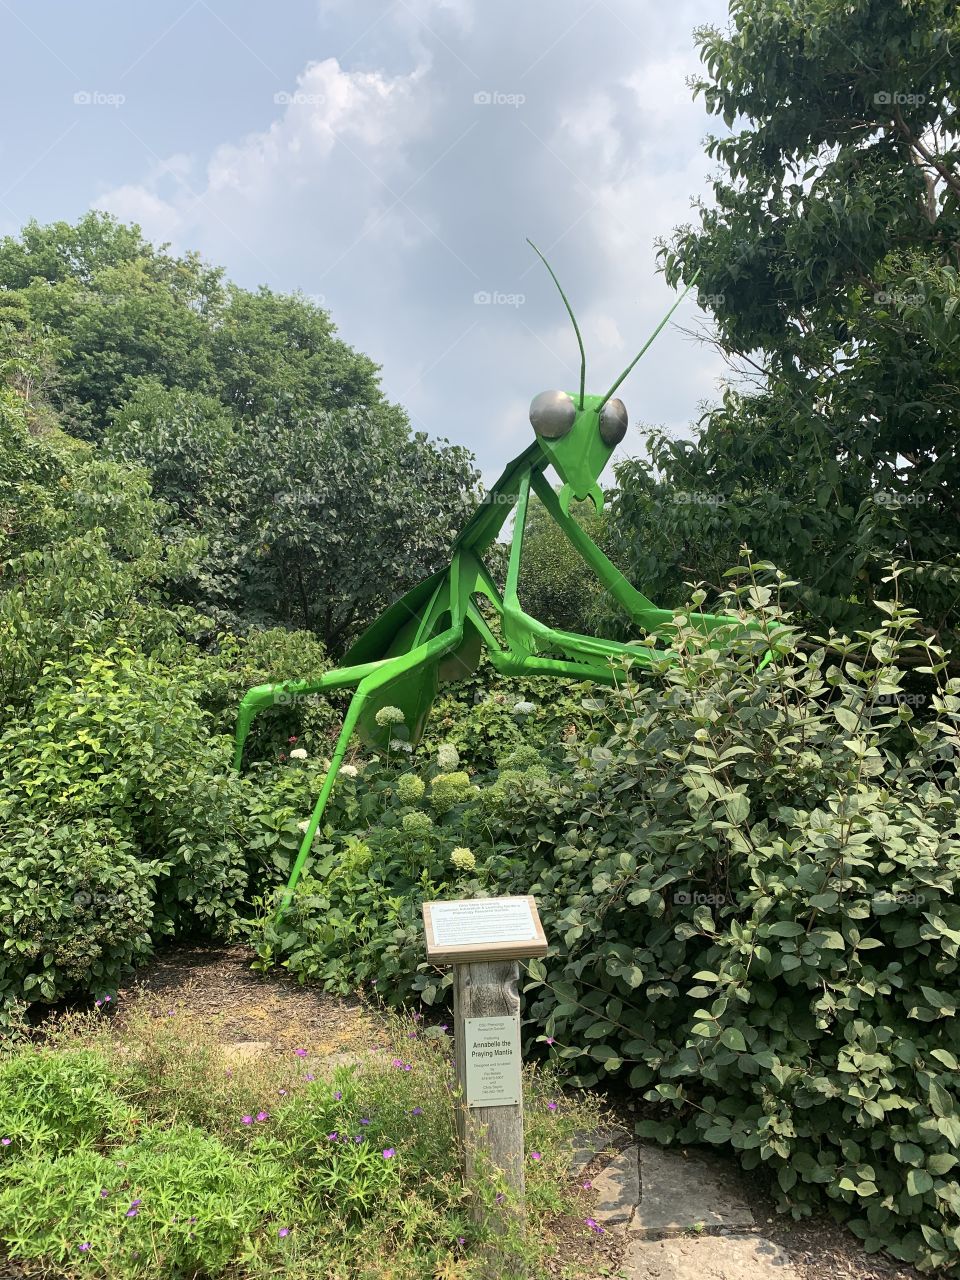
pixel 435 633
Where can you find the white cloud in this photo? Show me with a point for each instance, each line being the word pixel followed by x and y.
pixel 380 184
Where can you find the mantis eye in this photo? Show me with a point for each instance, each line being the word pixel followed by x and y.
pixel 613 422
pixel 552 414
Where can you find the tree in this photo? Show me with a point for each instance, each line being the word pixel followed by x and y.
pixel 314 523
pixel 829 261
pixel 555 585
pixel 123 311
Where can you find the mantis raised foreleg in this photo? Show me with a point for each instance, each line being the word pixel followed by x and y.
pixel 436 631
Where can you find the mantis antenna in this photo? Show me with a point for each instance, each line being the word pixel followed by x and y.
pixel 649 340
pixel 576 327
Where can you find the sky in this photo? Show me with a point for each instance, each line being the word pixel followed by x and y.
pixel 389 160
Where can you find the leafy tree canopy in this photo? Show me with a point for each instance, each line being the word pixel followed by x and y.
pixel 828 257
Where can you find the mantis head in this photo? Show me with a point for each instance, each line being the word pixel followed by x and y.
pixel 578 438
pixel 577 432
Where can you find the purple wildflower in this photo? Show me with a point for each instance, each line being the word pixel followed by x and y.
pixel 84 1247
pixel 284 1231
pixel 5 1142
pixel 535 1155
pixel 364 1121
pixel 308 1075
pixel 263 1115
pixel 301 1053
pixel 246 1119
pixel 551 1106
pixel 337 1096
pixel 389 1153
pixel 588 1186
pixel 132 1213
pixel 417 1111
pixel 594 1226
pixel 549 1039
pixel 282 1093
pixel 333 1137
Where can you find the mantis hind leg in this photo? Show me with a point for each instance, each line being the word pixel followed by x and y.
pixel 396 675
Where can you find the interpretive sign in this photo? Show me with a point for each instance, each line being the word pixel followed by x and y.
pixel 492 1053
pixel 484 939
pixel 474 929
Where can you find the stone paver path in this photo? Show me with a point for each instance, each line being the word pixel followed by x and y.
pixel 682 1220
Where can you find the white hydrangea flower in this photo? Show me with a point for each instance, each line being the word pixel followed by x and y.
pixel 523 708
pixel 397 744
pixel 298 753
pixel 463 859
pixel 302 826
pixel 448 757
pixel 348 770
pixel 389 715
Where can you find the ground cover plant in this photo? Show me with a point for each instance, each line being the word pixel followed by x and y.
pixel 149 1152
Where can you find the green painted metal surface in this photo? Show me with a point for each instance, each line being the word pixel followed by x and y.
pixel 435 633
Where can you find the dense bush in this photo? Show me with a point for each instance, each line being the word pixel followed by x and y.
pixel 749 879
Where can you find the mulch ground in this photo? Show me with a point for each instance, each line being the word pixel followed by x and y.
pixel 274 1010
pixel 247 1006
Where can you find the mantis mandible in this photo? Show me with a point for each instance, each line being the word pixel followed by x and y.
pixel 435 633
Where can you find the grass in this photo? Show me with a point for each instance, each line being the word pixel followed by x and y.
pixel 147 1153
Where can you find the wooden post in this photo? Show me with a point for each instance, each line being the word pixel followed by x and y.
pixel 483 938
pixel 488 990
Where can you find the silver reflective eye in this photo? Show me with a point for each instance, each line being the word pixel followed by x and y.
pixel 552 414
pixel 613 422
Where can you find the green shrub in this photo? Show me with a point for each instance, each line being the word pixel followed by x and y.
pixel 118 824
pixel 76 903
pixel 749 878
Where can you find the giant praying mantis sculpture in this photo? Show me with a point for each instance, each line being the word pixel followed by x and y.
pixel 434 634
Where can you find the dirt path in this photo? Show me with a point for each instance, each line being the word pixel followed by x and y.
pixel 248 1008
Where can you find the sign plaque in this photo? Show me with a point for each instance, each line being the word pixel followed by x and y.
pixel 469 930
pixel 492 1053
